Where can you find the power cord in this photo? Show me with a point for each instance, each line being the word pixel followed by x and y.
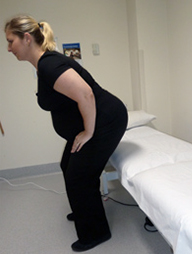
pixel 105 197
pixel 148 225
pixel 31 183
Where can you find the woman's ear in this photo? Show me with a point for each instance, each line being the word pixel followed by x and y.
pixel 27 38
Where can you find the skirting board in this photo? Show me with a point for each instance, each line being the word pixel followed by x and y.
pixel 30 171
pixel 108 174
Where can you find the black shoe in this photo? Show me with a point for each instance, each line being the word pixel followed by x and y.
pixel 79 247
pixel 71 217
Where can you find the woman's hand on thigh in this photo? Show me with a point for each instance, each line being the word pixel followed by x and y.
pixel 82 138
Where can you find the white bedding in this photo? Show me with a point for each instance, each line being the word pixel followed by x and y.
pixel 165 195
pixel 144 148
pixel 157 171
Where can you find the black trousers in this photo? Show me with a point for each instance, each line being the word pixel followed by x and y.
pixel 82 172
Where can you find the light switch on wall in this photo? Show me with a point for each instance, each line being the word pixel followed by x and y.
pixel 95 49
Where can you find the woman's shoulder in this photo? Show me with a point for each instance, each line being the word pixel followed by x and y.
pixel 51 65
pixel 51 60
pixel 52 56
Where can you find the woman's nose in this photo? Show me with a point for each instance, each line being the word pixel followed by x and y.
pixel 9 49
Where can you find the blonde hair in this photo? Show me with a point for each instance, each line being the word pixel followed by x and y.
pixel 42 32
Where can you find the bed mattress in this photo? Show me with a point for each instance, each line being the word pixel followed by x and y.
pixel 156 169
pixel 165 195
pixel 143 148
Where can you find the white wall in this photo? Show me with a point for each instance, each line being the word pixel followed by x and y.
pixel 156 75
pixel 151 50
pixel 29 137
pixel 180 44
pixel 161 32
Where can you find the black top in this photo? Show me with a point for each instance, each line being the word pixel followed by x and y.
pixel 51 65
pixel 66 117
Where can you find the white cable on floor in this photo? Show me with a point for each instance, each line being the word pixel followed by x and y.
pixel 28 183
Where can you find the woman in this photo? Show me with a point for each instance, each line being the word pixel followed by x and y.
pixel 90 119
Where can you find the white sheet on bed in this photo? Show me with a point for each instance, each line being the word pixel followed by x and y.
pixel 157 171
pixel 143 148
pixel 165 195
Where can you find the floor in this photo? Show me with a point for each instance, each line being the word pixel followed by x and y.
pixel 33 220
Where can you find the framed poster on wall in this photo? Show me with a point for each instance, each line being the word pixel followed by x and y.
pixel 73 50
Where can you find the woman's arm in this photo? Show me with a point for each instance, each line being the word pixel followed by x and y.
pixel 73 86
